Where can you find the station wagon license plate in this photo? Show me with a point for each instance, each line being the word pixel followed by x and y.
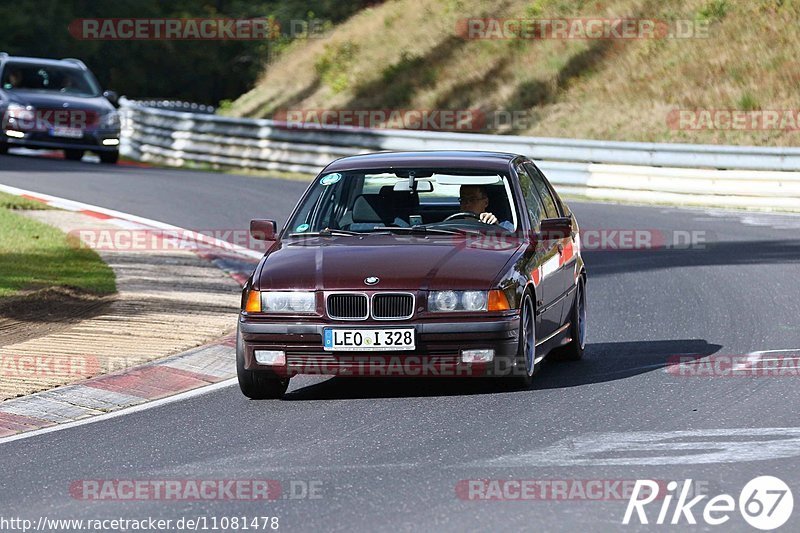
pixel 70 133
pixel 364 340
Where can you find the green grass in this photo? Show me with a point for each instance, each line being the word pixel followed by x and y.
pixel 9 201
pixel 34 255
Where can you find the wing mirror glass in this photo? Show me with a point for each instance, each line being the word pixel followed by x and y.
pixel 263 230
pixel 555 228
pixel 112 97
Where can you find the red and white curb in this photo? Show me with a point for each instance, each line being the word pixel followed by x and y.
pixel 194 370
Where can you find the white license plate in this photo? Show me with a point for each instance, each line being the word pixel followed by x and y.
pixel 368 340
pixel 72 133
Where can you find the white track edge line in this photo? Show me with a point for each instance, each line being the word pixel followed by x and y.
pixel 73 205
pixel 122 412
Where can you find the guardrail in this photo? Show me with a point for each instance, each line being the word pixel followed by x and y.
pixel 174 105
pixel 740 176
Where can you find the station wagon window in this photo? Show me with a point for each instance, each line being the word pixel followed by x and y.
pixel 49 78
pixel 365 200
pixel 550 205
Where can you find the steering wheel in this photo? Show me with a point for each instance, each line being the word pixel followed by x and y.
pixel 462 214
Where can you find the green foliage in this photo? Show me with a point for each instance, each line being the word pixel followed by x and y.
pixel 713 11
pixel 332 65
pixel 402 79
pixel 224 106
pixel 748 102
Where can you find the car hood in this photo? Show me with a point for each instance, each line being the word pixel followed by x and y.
pixel 400 262
pixel 43 100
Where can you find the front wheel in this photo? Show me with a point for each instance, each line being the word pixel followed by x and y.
pixel 109 157
pixel 3 148
pixel 525 364
pixel 577 330
pixel 73 155
pixel 257 385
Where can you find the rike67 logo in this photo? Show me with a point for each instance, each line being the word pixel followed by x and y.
pixel 765 503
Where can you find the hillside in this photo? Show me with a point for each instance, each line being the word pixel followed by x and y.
pixel 413 54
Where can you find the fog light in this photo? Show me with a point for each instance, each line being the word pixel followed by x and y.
pixel 110 142
pixel 270 357
pixel 14 133
pixel 477 356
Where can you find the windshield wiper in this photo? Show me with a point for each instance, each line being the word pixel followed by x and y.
pixel 328 233
pixel 422 230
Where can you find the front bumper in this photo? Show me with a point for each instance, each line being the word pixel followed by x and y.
pixel 437 354
pixel 92 140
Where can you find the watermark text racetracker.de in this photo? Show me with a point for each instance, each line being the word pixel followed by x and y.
pixel 54 366
pixel 767 364
pixel 734 119
pixel 464 120
pixel 506 490
pixel 165 240
pixel 197 29
pixel 27 119
pixel 195 489
pixel 596 239
pixel 588 28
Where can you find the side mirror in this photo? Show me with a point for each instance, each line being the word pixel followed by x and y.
pixel 112 97
pixel 555 228
pixel 263 230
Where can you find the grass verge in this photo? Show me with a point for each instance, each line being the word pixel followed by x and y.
pixel 34 255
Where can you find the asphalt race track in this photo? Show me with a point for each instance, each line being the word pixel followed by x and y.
pixel 396 454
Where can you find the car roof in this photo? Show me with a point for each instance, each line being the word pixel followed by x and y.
pixel 68 63
pixel 455 159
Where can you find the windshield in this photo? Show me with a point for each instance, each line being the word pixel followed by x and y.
pixel 49 78
pixel 370 201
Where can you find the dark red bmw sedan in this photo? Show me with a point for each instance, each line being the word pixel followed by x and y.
pixel 415 264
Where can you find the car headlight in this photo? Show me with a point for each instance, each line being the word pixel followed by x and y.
pixel 19 115
pixel 110 120
pixel 445 301
pixel 474 300
pixel 288 302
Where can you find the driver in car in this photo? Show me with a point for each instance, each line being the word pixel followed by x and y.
pixel 475 200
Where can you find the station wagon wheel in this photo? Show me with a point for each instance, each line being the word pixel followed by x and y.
pixel 523 370
pixel 254 384
pixel 73 155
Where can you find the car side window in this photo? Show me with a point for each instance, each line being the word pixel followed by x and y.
pixel 550 205
pixel 532 201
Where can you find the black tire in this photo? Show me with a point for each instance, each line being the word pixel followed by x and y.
pixel 110 158
pixel 257 385
pixel 524 368
pixel 577 330
pixel 3 148
pixel 73 155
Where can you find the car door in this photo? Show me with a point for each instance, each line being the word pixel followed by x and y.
pixel 541 261
pixel 564 270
